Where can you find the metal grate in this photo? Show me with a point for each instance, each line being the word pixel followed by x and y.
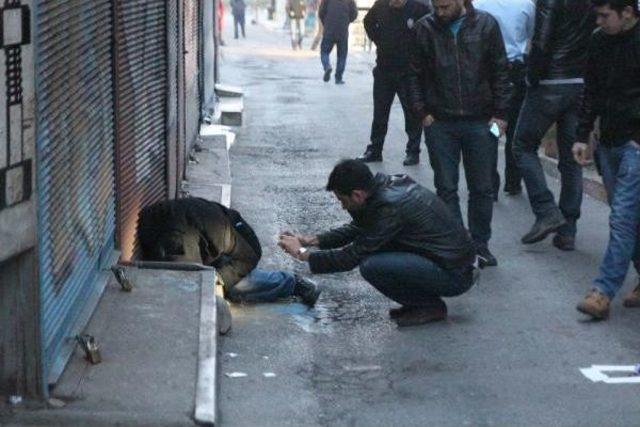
pixel 192 83
pixel 75 144
pixel 141 110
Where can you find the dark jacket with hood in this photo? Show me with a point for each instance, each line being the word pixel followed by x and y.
pixel 197 230
pixel 463 76
pixel 336 15
pixel 560 40
pixel 612 88
pixel 399 216
pixel 391 29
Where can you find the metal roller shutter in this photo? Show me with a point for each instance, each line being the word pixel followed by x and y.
pixel 192 81
pixel 141 110
pixel 75 144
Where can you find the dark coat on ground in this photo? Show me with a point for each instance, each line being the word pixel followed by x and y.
pixel 399 216
pixel 197 230
pixel 336 15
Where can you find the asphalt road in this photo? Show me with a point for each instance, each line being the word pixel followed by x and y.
pixel 510 352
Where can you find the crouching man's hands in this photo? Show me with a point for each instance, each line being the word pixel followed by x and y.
pixel 304 240
pixel 292 245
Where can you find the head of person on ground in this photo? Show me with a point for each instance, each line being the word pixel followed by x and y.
pixel 616 16
pixel 196 230
pixel 402 238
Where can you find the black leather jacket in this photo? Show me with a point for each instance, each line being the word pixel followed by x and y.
pixel 459 77
pixel 399 216
pixel 612 88
pixel 560 39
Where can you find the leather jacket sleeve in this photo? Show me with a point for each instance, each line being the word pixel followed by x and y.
pixel 371 24
pixel 353 11
pixel 499 79
pixel 322 10
pixel 418 72
pixel 387 225
pixel 338 237
pixel 539 57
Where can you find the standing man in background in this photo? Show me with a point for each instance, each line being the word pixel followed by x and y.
pixel 389 24
pixel 555 75
pixel 516 19
pixel 459 85
pixel 238 8
pixel 336 15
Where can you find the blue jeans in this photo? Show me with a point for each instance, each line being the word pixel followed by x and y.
pixel 446 141
pixel 326 46
pixel 543 106
pixel 413 280
pixel 262 286
pixel 620 168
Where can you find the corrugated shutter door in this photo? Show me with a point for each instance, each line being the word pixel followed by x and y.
pixel 141 105
pixel 192 83
pixel 75 145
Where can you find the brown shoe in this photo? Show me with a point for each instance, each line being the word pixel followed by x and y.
pixel 633 298
pixel 595 304
pixel 413 316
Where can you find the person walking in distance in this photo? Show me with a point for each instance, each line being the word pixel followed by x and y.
pixel 389 24
pixel 238 8
pixel 612 94
pixel 296 11
pixel 460 89
pixel 555 76
pixel 336 15
pixel 516 20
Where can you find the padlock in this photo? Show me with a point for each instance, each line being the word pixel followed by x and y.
pixel 90 347
pixel 122 278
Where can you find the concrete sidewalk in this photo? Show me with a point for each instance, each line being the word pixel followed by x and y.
pixel 157 343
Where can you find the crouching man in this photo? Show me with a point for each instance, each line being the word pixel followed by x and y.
pixel 403 238
pixel 197 230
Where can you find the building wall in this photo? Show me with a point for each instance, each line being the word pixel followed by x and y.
pixel 19 306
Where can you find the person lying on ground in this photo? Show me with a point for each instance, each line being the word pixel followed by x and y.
pixel 403 238
pixel 197 230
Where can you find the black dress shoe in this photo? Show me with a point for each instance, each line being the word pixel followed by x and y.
pixel 513 190
pixel 371 155
pixel 412 316
pixel 327 74
pixel 339 81
pixel 411 159
pixel 306 290
pixel 543 227
pixel 564 243
pixel 485 257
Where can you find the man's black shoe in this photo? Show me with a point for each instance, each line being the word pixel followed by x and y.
pixel 339 81
pixel 564 243
pixel 413 316
pixel 513 190
pixel 543 227
pixel 327 74
pixel 411 159
pixel 485 257
pixel 306 290
pixel 371 155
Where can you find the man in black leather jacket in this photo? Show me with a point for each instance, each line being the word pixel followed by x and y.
pixel 460 88
pixel 402 237
pixel 389 24
pixel 555 76
pixel 612 93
